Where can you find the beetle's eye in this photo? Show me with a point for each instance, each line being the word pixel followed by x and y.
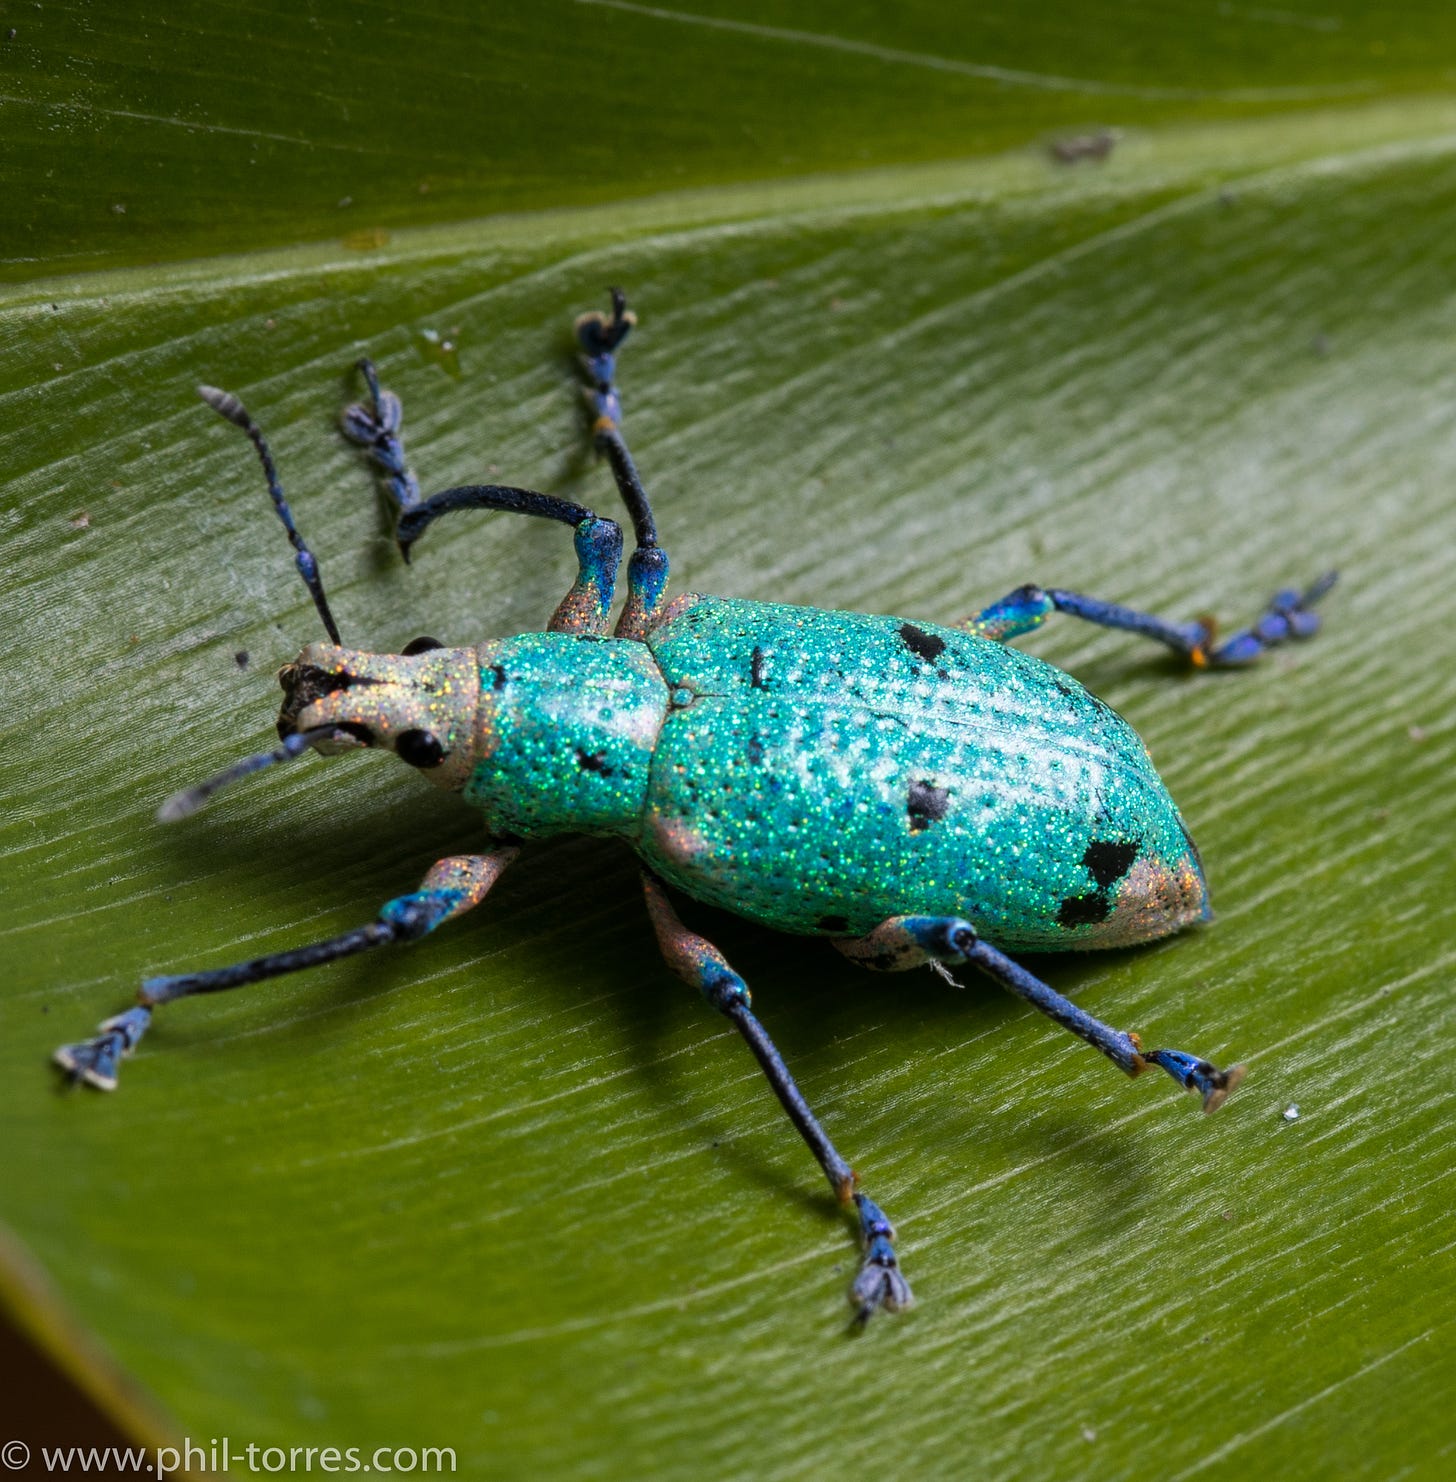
pixel 420 646
pixel 420 749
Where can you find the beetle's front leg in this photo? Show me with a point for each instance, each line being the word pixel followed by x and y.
pixel 879 1281
pixel 598 544
pixel 1288 615
pixel 911 941
pixel 599 337
pixel 452 886
pixel 376 424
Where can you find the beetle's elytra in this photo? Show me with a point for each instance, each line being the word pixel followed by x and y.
pixel 920 795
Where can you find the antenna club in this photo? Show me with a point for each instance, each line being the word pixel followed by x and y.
pixel 225 404
pixel 180 805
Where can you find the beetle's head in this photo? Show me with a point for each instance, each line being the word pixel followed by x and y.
pixel 420 704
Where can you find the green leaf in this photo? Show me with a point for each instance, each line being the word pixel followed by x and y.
pixel 213 130
pixel 513 1191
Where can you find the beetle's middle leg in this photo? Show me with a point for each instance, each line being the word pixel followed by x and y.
pixel 453 885
pixel 879 1282
pixel 913 941
pixel 1287 616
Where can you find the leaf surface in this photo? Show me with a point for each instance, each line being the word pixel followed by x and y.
pixel 513 1191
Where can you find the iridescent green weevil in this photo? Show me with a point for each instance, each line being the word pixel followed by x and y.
pixel 920 795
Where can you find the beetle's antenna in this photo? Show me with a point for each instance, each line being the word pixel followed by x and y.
pixel 190 799
pixel 225 404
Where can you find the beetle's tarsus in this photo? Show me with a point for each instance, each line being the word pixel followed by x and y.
pixel 597 334
pixel 1195 1074
pixel 97 1061
pixel 599 338
pixel 879 1282
pixel 1287 616
pixel 375 426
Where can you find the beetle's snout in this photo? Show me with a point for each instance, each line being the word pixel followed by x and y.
pixel 304 684
pixel 421 706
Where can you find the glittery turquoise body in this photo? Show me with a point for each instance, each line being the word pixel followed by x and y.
pixel 565 734
pixel 823 771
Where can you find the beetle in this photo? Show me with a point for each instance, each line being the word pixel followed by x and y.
pixel 920 795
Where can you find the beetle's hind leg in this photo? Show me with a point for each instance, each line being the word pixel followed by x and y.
pixel 879 1281
pixel 599 336
pixel 1289 615
pixel 453 885
pixel 912 941
pixel 375 425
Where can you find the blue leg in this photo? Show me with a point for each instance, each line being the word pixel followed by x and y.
pixel 646 590
pixel 911 941
pixel 375 425
pixel 452 886
pixel 600 336
pixel 585 607
pixel 1288 615
pixel 878 1282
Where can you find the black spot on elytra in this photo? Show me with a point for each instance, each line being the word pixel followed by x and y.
pixel 926 804
pixel 837 924
pixel 1083 910
pixel 1108 860
pixel 498 677
pixel 755 669
pixel 920 643
pixel 593 761
pixel 755 750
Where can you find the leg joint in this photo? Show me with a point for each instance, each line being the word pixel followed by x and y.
pixel 726 992
pixel 1016 613
pixel 413 916
pixel 942 938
